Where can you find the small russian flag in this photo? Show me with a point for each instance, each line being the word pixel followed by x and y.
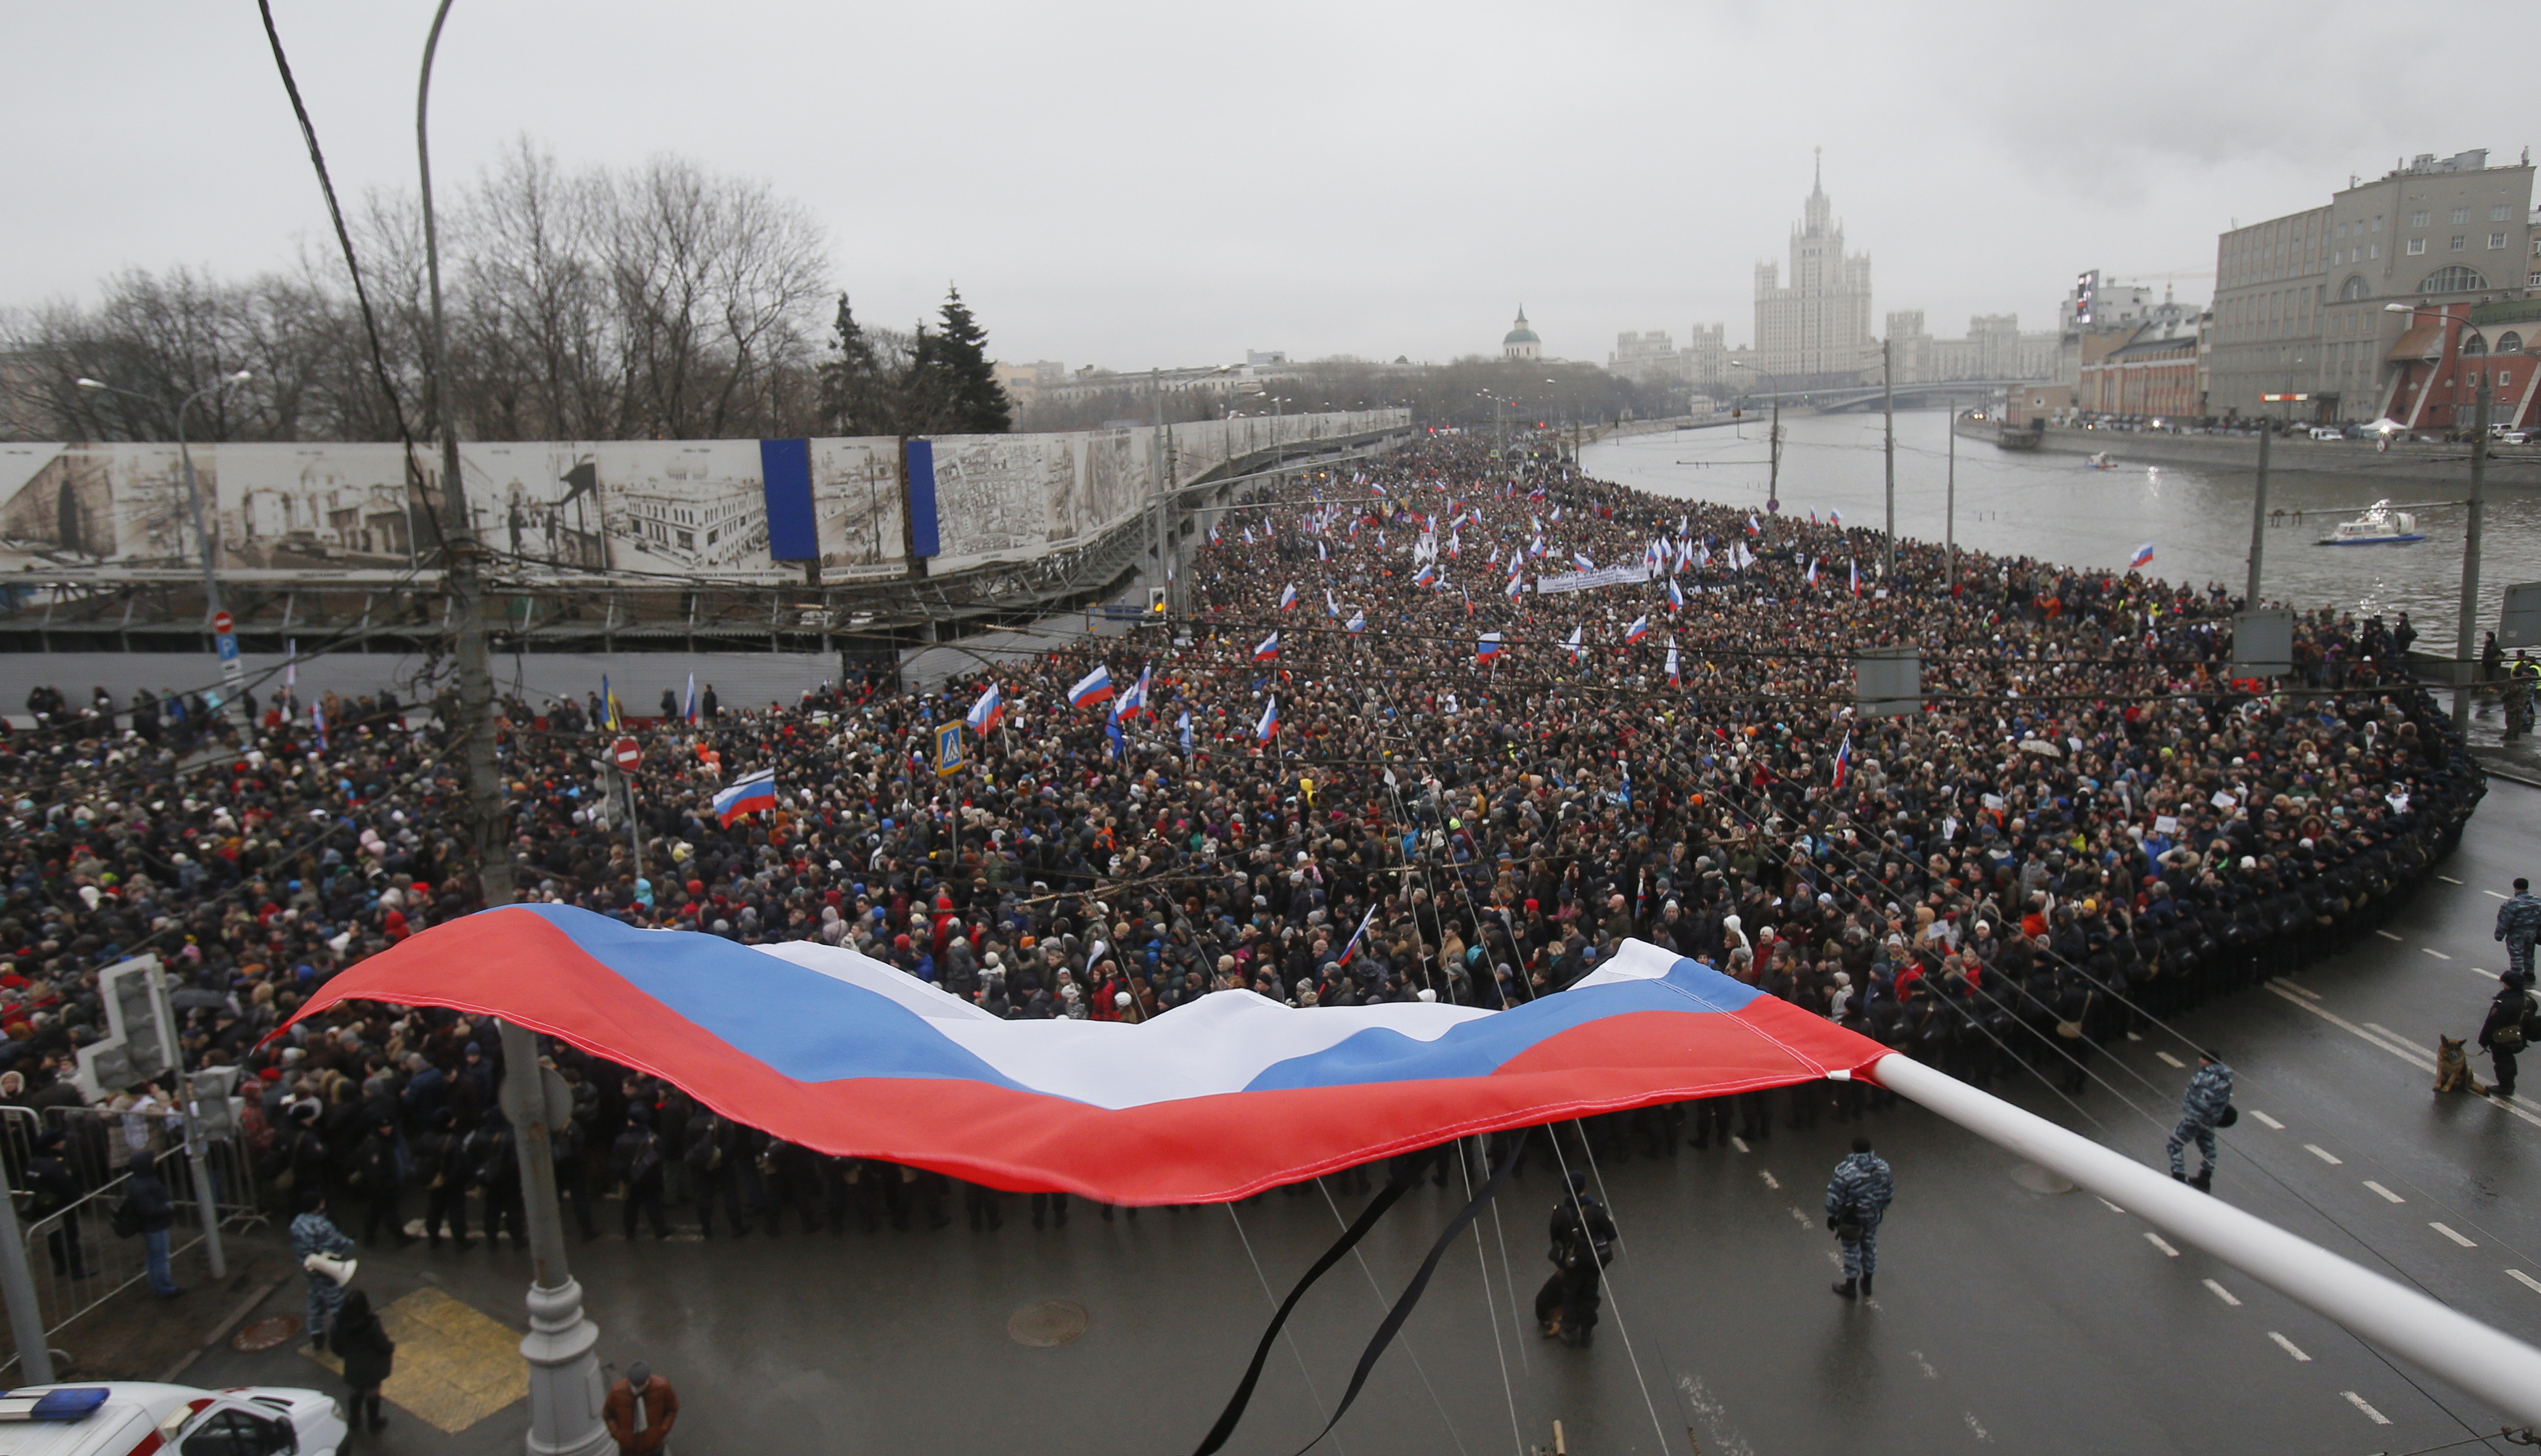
pixel 1578 652
pixel 1676 595
pixel 1488 648
pixel 1269 724
pixel 1424 576
pixel 2143 558
pixel 1516 584
pixel 984 714
pixel 1672 676
pixel 1640 628
pixel 1268 649
pixel 1287 596
pixel 748 796
pixel 1844 761
pixel 1091 689
pixel 1357 622
pixel 1133 701
pixel 1580 560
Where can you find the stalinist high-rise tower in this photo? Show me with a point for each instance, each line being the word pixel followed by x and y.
pixel 1816 332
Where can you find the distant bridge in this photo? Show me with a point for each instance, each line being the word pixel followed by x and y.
pixel 1868 397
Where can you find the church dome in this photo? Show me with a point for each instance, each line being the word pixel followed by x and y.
pixel 1521 334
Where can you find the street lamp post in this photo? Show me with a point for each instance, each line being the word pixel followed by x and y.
pixel 565 1390
pixel 224 641
pixel 1773 442
pixel 2467 629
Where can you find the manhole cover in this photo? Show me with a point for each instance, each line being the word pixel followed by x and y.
pixel 2041 1180
pixel 267 1333
pixel 1047 1322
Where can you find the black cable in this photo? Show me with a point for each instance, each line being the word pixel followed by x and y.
pixel 352 263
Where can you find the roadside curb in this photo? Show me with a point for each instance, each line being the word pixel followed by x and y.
pixel 221 1331
pixel 2510 771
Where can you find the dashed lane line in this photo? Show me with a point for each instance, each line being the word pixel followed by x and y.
pixel 2431 951
pixel 2446 1230
pixel 2380 1030
pixel 2289 1346
pixel 2400 1049
pixel 1739 1144
pixel 2526 1280
pixel 2112 1207
pixel 2269 1121
pixel 2388 935
pixel 2158 1242
pixel 1770 1181
pixel 2322 1153
pixel 2447 879
pixel 2359 1403
pixel 2173 1060
pixel 2493 894
pixel 2388 1197
pixel 2301 990
pixel 2223 1294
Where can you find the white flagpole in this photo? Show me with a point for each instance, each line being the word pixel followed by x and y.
pixel 2480 1358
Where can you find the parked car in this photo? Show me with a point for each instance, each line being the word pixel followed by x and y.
pixel 125 1417
pixel 2327 432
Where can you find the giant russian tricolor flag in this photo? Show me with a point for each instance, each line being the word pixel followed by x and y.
pixel 1210 1101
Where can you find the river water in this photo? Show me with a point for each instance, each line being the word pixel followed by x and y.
pixel 2056 508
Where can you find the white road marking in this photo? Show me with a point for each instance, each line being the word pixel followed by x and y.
pixel 2386 935
pixel 2173 1060
pixel 2387 1194
pixel 2450 880
pixel 2400 1049
pixel 1739 1143
pixel 2493 894
pixel 2303 990
pixel 2270 1122
pixel 2359 1402
pixel 2112 1207
pixel 1925 1365
pixel 2384 1031
pixel 1767 1175
pixel 2156 1241
pixel 2431 950
pixel 1973 1424
pixel 2446 1230
pixel 1801 1217
pixel 2223 1294
pixel 2289 1346
pixel 2526 1281
pixel 2322 1153
pixel 2135 1035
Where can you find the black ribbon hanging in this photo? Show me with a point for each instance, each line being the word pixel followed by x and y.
pixel 1385 1199
pixel 1412 1292
pixel 1392 1324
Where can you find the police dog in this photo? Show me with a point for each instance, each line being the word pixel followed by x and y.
pixel 2452 1068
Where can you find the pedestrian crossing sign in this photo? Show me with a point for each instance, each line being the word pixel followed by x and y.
pixel 948 750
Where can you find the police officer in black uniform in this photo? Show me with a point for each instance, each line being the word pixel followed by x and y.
pixel 1583 1241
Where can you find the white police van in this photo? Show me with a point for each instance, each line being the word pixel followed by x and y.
pixel 131 1417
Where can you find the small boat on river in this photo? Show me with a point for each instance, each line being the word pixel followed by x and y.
pixel 2378 526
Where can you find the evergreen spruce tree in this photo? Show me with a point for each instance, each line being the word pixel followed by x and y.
pixel 957 356
pixel 854 396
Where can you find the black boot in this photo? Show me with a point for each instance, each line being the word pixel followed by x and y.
pixel 1865 1286
pixel 1847 1288
pixel 2204 1181
pixel 378 1416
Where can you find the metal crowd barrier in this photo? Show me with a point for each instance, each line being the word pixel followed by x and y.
pixel 73 1259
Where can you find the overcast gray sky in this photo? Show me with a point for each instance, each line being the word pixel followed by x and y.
pixel 1140 183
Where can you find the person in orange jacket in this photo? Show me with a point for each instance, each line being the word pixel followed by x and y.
pixel 641 1412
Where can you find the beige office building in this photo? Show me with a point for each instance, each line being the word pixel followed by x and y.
pixel 2301 302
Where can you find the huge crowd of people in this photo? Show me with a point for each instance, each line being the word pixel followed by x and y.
pixel 1383 753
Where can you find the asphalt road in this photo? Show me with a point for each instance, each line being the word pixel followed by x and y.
pixel 2007 1317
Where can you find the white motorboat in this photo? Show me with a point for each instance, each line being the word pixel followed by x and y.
pixel 2101 461
pixel 2378 526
